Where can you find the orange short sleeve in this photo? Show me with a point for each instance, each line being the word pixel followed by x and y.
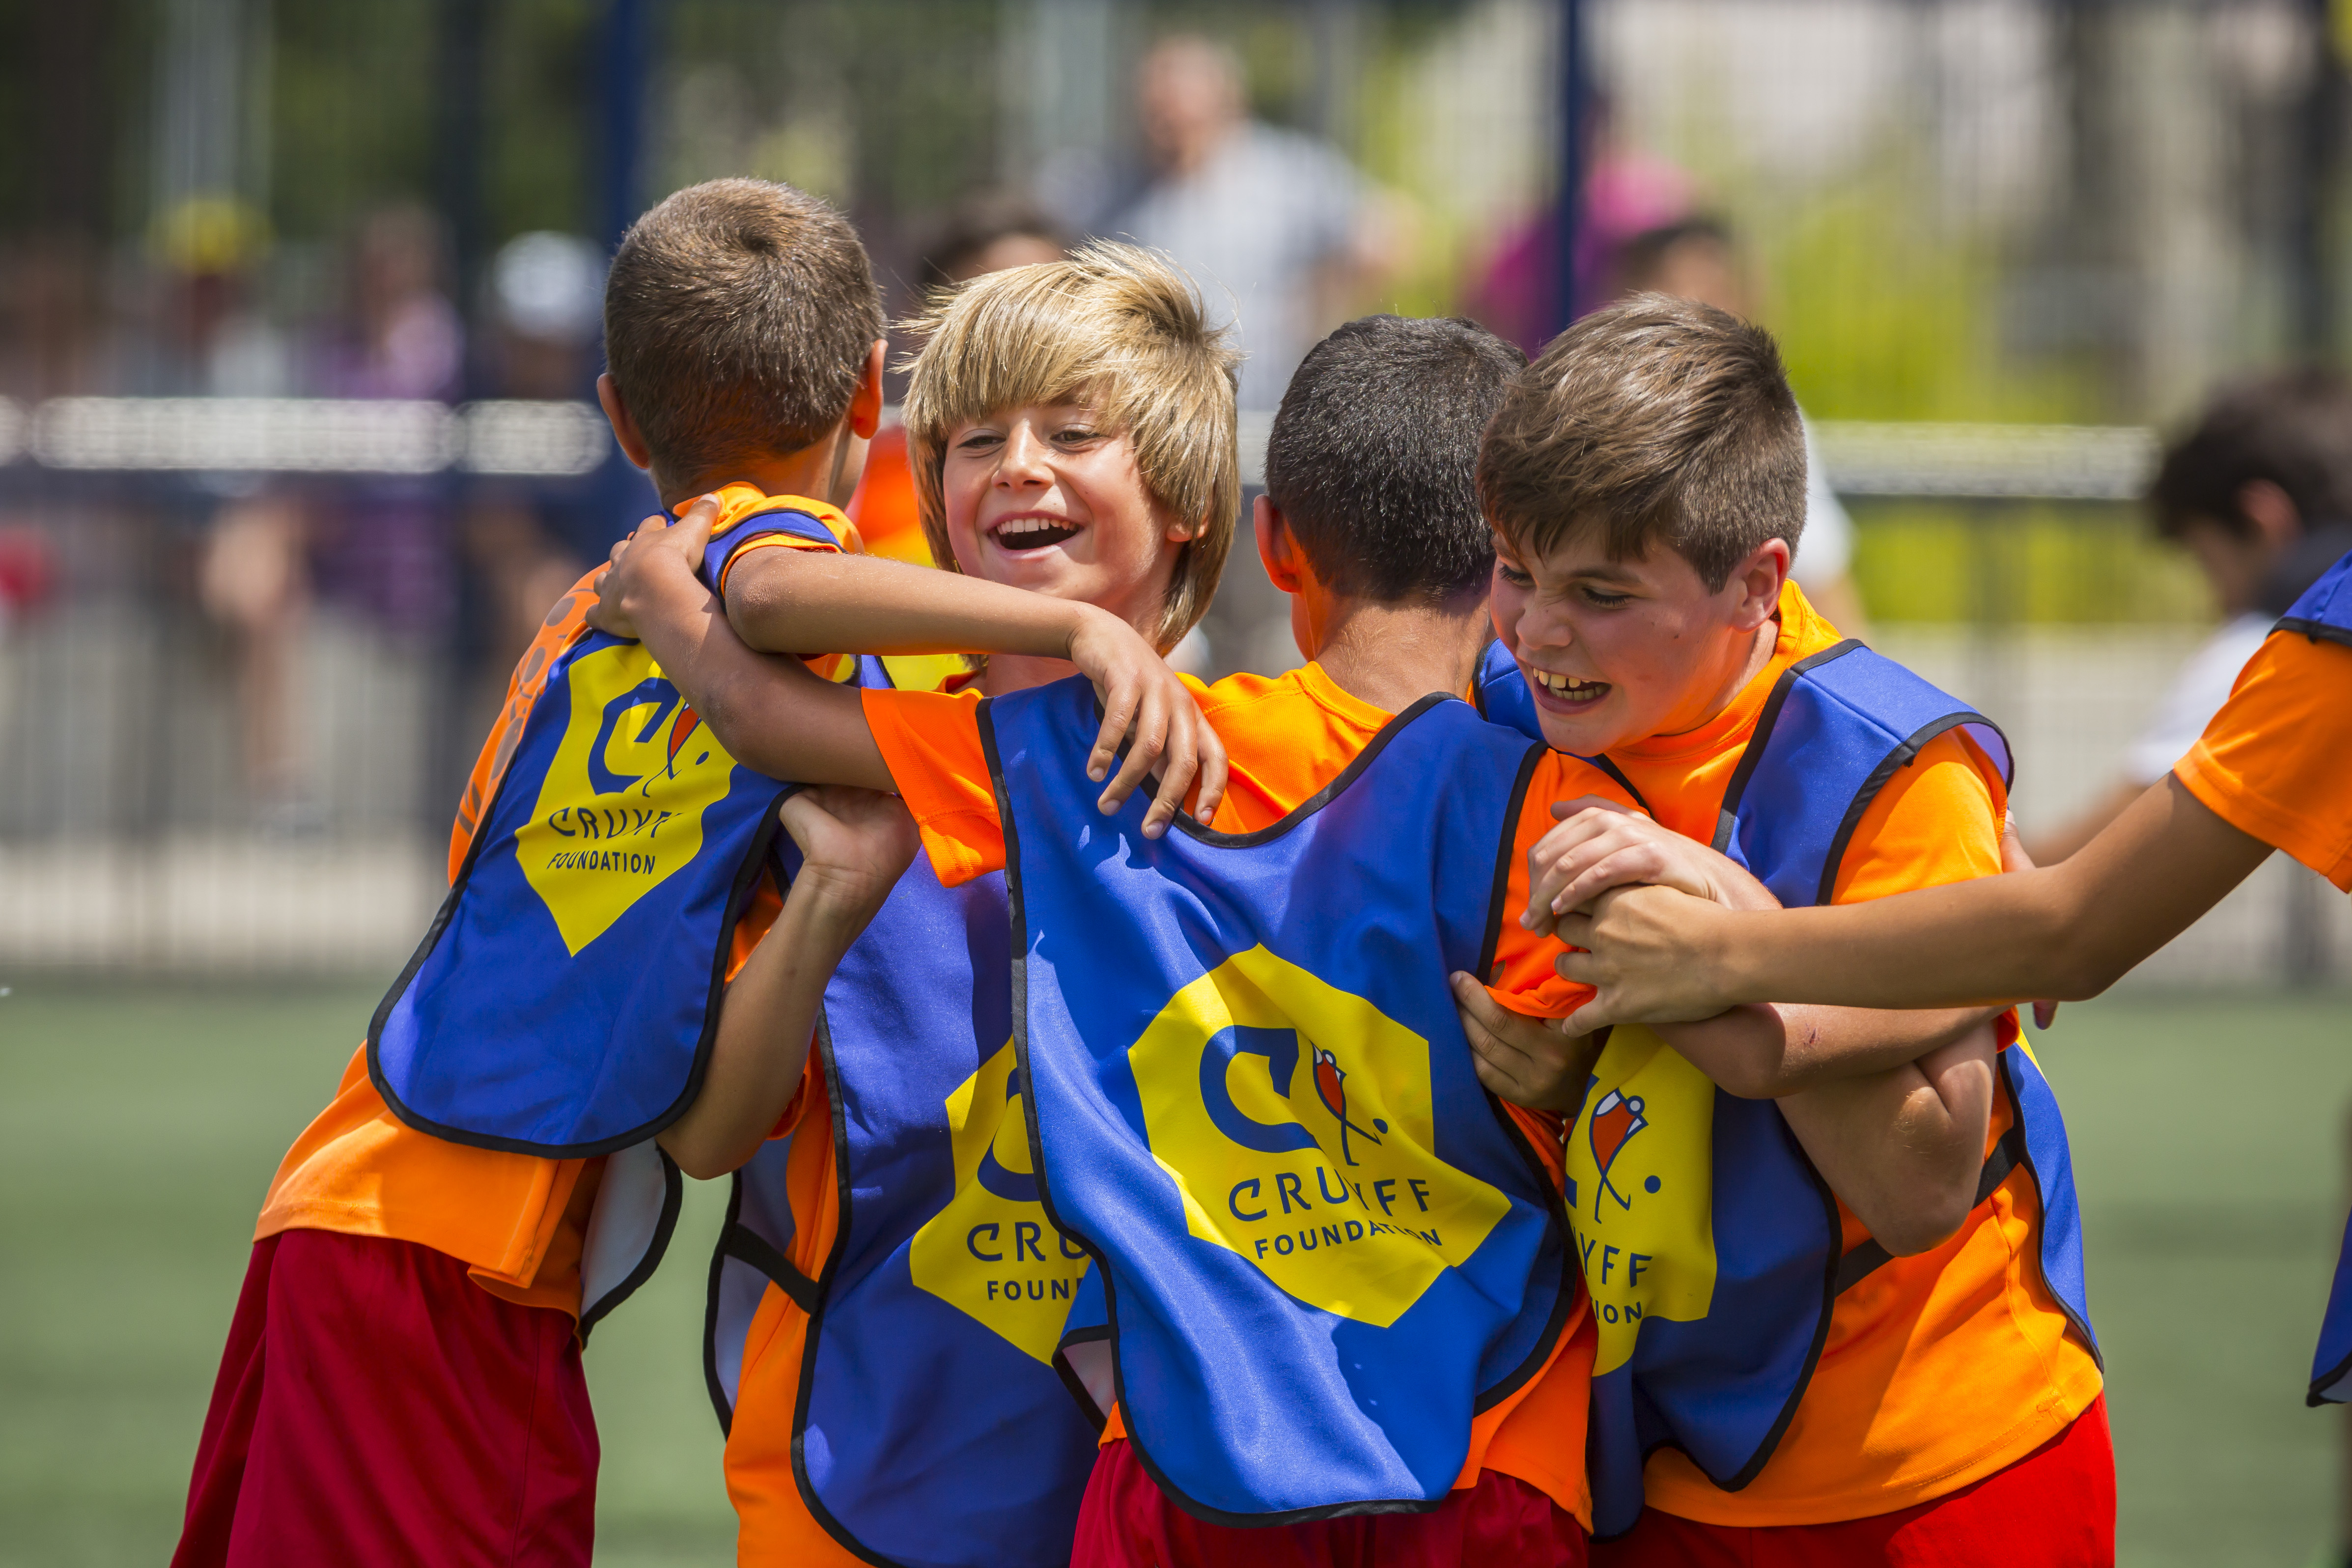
pixel 2272 762
pixel 1937 821
pixel 930 742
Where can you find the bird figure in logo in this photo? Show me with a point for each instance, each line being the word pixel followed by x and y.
pixel 687 722
pixel 1331 1089
pixel 1615 1119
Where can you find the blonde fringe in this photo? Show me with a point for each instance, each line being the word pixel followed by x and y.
pixel 1117 326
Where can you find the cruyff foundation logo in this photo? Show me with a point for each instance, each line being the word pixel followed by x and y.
pixel 1640 1190
pixel 991 1253
pixel 621 807
pixel 1294 1120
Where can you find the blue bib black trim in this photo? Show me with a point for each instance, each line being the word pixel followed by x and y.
pixel 1323 1246
pixel 1711 1246
pixel 932 1426
pixel 2325 611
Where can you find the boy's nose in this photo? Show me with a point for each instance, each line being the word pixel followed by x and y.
pixel 1025 461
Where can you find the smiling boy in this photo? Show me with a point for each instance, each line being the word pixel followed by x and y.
pixel 1645 480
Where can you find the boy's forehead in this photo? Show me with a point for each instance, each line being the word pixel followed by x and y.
pixel 1582 550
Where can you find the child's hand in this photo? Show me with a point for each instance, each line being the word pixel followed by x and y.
pixel 853 843
pixel 1143 698
pixel 654 552
pixel 1534 1062
pixel 1601 845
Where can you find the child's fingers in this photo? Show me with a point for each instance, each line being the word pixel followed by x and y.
pixel 695 527
pixel 1562 810
pixel 1632 863
pixel 1118 714
pixel 1213 774
pixel 1176 767
pixel 1151 736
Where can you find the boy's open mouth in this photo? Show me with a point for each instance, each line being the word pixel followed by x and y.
pixel 1564 690
pixel 1031 532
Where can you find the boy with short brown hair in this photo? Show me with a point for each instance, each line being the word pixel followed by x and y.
pixel 1645 478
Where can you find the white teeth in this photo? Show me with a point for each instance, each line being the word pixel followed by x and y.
pixel 1028 525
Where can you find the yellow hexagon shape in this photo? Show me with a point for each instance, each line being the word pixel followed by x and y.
pixel 1641 1185
pixel 1294 1120
pixel 621 808
pixel 991 1253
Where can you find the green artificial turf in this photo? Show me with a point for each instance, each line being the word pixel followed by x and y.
pixel 138 1126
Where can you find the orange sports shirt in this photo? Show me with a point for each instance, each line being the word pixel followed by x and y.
pixel 2273 762
pixel 518 1220
pixel 1940 1368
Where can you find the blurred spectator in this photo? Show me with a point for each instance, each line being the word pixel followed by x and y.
pixel 1695 259
pixel 1278 222
pixel 2260 492
pixel 531 539
pixel 1626 193
pixel 378 545
pixel 1284 239
pixel 985 232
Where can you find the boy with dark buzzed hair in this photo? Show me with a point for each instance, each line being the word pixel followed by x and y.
pixel 1781 1379
pixel 402 1382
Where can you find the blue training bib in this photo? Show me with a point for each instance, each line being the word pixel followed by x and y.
pixel 1323 1247
pixel 1711 1246
pixel 563 1002
pixel 932 1427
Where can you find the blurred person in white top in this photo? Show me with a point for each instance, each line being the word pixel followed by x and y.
pixel 1694 258
pixel 1277 228
pixel 2259 490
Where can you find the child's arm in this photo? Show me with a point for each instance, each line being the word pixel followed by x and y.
pixel 1756 1052
pixel 773 715
pixel 2067 931
pixel 854 844
pixel 1902 1148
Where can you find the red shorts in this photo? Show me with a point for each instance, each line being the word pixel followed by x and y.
pixel 2055 1508
pixel 377 1409
pixel 1127 1521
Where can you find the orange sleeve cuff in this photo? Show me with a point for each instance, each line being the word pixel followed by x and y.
pixel 2271 764
pixel 930 742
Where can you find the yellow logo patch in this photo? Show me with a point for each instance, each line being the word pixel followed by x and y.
pixel 991 1253
pixel 1295 1119
pixel 621 808
pixel 1640 1180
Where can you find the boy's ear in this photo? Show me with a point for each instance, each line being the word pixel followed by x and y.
pixel 1757 581
pixel 1276 548
pixel 865 403
pixel 623 423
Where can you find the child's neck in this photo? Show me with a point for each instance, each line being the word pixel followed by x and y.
pixel 808 473
pixel 1019 671
pixel 1391 656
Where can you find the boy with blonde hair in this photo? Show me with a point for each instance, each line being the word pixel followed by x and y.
pixel 889 1289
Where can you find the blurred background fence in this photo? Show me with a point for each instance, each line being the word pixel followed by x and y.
pixel 299 328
